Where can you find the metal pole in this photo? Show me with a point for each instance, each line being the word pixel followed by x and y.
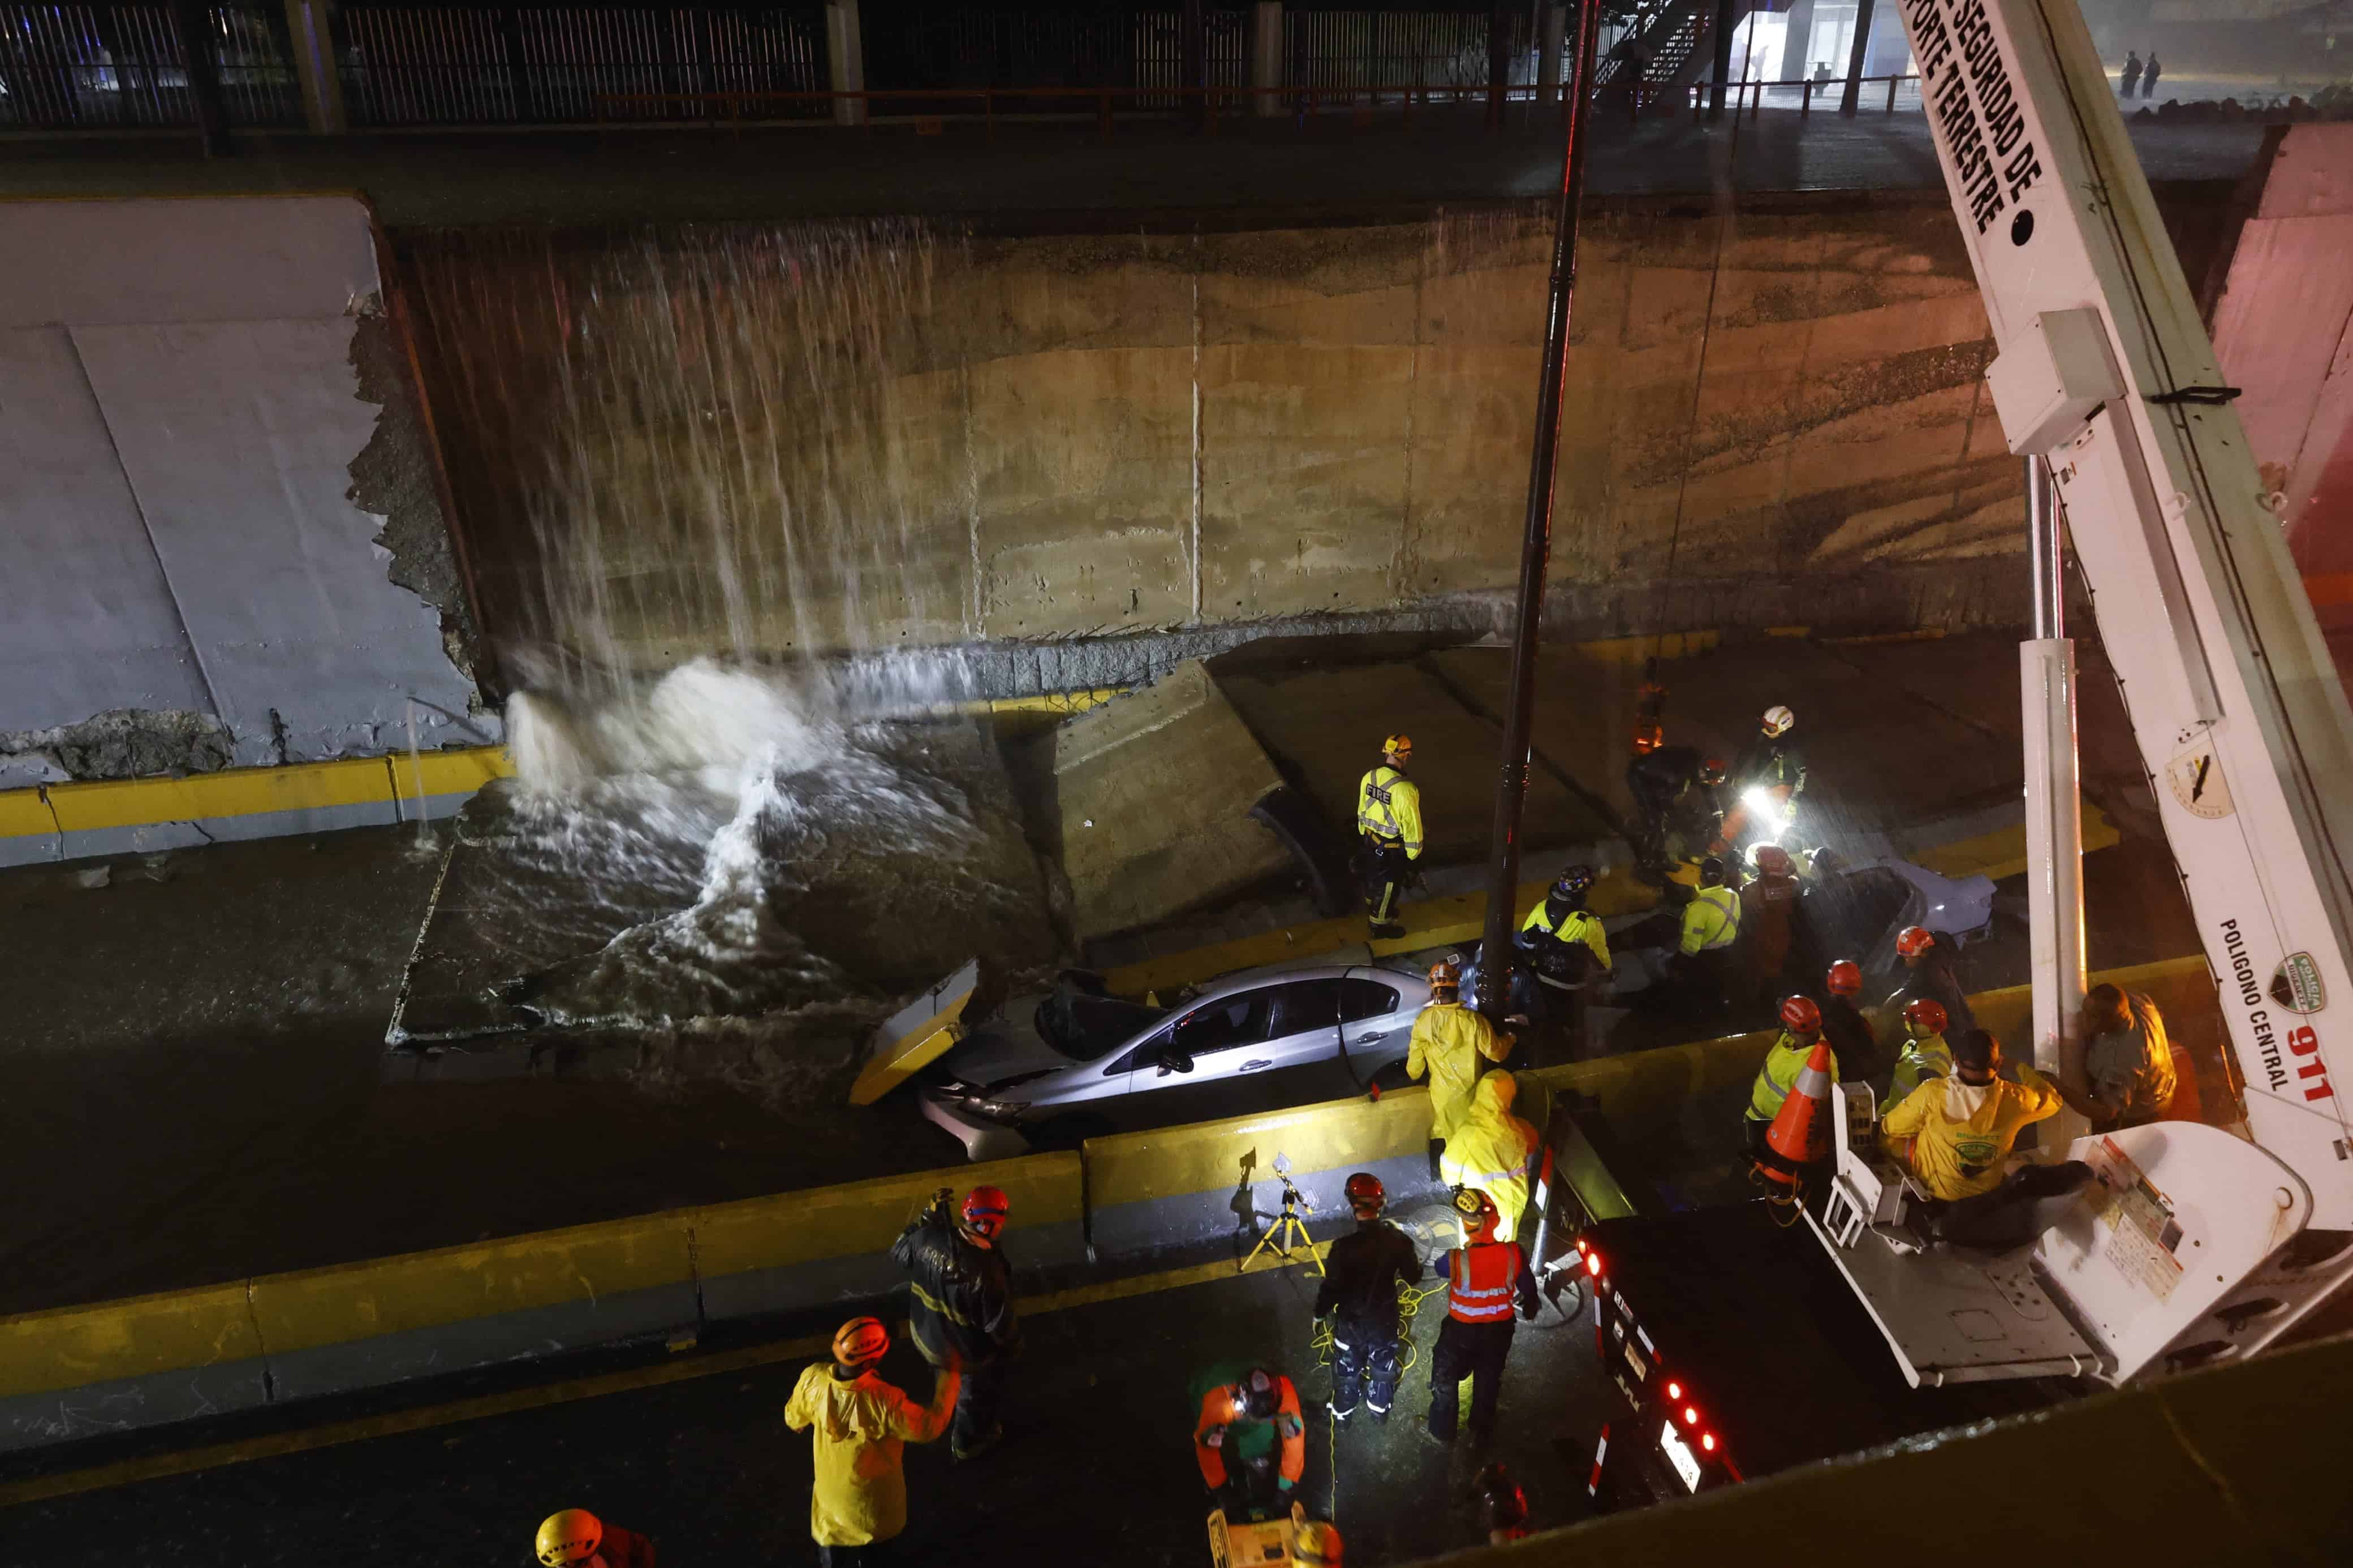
pixel 193 23
pixel 1536 548
pixel 2055 820
pixel 1854 59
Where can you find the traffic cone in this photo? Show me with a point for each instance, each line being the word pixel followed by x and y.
pixel 1799 1137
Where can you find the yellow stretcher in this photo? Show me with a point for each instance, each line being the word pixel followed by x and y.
pixel 916 1036
pixel 1266 1542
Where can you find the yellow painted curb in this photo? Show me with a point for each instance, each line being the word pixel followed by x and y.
pixel 176 1330
pixel 858 1218
pixel 247 792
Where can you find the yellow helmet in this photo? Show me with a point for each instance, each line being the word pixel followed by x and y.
pixel 570 1536
pixel 1315 1544
pixel 1397 746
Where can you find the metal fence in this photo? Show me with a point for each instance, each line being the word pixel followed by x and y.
pixel 101 67
pixel 1331 53
pixel 477 65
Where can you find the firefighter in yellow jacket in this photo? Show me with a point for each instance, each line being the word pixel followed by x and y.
pixel 1451 1040
pixel 1492 1152
pixel 861 1423
pixel 1388 816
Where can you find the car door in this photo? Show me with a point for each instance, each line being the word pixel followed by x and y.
pixel 1369 1018
pixel 1218 1035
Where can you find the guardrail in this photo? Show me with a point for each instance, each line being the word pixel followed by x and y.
pixel 1119 1204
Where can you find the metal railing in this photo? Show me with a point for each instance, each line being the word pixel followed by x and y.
pixel 112 66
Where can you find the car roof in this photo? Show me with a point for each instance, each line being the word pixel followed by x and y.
pixel 1249 979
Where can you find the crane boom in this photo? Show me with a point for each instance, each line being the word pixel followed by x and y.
pixel 2104 367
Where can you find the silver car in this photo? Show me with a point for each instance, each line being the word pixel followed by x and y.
pixel 1049 1071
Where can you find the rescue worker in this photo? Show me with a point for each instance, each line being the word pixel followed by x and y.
pixel 1359 1293
pixel 1657 780
pixel 1843 1024
pixel 961 1286
pixel 1502 1506
pixel 1772 761
pixel 1925 1054
pixel 1484 1277
pixel 1388 816
pixel 1249 1440
pixel 1317 1544
pixel 861 1423
pixel 1801 1029
pixel 1767 906
pixel 574 1538
pixel 1952 1135
pixel 1563 946
pixel 1929 971
pixel 1711 928
pixel 1492 1152
pixel 2127 1057
pixel 1450 1043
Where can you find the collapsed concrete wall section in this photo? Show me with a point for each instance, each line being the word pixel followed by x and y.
pixel 189 393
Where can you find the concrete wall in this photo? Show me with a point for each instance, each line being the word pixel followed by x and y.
pixel 190 582
pixel 1773 414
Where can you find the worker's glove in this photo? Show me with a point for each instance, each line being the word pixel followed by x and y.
pixel 1289 1426
pixel 1283 1484
pixel 1214 1438
pixel 1528 1310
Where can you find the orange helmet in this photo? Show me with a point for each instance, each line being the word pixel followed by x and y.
pixel 1478 1214
pixel 985 1209
pixel 1846 978
pixel 1914 941
pixel 1647 738
pixel 859 1340
pixel 1446 975
pixel 1925 1014
pixel 1398 746
pixel 1800 1013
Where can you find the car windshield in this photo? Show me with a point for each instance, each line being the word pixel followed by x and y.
pixel 1086 1027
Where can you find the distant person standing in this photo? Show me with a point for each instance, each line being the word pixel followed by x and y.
pixel 1389 818
pixel 2132 73
pixel 2149 78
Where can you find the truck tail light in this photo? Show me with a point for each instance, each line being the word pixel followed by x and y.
pixel 1707 1441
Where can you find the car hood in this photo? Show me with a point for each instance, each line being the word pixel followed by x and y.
pixel 1005 1048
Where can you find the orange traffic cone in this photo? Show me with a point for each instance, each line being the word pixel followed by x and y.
pixel 1799 1137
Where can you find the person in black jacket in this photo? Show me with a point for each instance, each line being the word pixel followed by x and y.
pixel 962 1309
pixel 1359 1292
pixel 1931 973
pixel 1843 1024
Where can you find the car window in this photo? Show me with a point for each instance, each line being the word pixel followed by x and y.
pixel 1083 1027
pixel 1305 1004
pixel 1365 999
pixel 1143 1055
pixel 1228 1022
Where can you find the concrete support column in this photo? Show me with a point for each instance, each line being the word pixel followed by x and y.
pixel 193 20
pixel 1796 43
pixel 1551 31
pixel 1727 18
pixel 1266 57
pixel 845 61
pixel 1855 58
pixel 310 25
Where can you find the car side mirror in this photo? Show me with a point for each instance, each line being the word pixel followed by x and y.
pixel 1174 1061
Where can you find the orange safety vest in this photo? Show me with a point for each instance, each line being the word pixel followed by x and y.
pixel 1483 1277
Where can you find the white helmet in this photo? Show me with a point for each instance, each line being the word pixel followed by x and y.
pixel 1779 720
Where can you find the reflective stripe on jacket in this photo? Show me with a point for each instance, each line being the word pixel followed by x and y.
pixel 1389 809
pixel 1481 1280
pixel 1711 920
pixel 1782 1065
pixel 1576 926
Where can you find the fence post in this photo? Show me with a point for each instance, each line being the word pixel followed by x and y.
pixel 1720 46
pixel 307 25
pixel 845 61
pixel 1798 39
pixel 1891 92
pixel 1552 34
pixel 1854 59
pixel 1266 58
pixel 193 20
pixel 1498 65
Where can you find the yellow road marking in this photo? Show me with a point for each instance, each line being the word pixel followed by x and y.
pixel 365 1428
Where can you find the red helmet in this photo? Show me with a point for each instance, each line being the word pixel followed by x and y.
pixel 1710 771
pixel 1914 941
pixel 1367 1196
pixel 1773 860
pixel 985 1210
pixel 1925 1014
pixel 1800 1013
pixel 1846 978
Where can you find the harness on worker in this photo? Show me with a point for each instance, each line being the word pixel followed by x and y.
pixel 1376 794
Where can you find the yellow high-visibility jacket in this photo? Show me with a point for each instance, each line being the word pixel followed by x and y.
pixel 1953 1136
pixel 861 1424
pixel 1389 809
pixel 1782 1065
pixel 1711 920
pixel 1449 1038
pixel 1924 1056
pixel 1582 925
pixel 1491 1151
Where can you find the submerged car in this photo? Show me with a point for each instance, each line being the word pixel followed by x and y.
pixel 1049 1071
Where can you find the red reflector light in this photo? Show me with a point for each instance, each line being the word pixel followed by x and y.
pixel 1593 1263
pixel 1675 1391
pixel 1691 1415
pixel 1583 1245
pixel 1707 1441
